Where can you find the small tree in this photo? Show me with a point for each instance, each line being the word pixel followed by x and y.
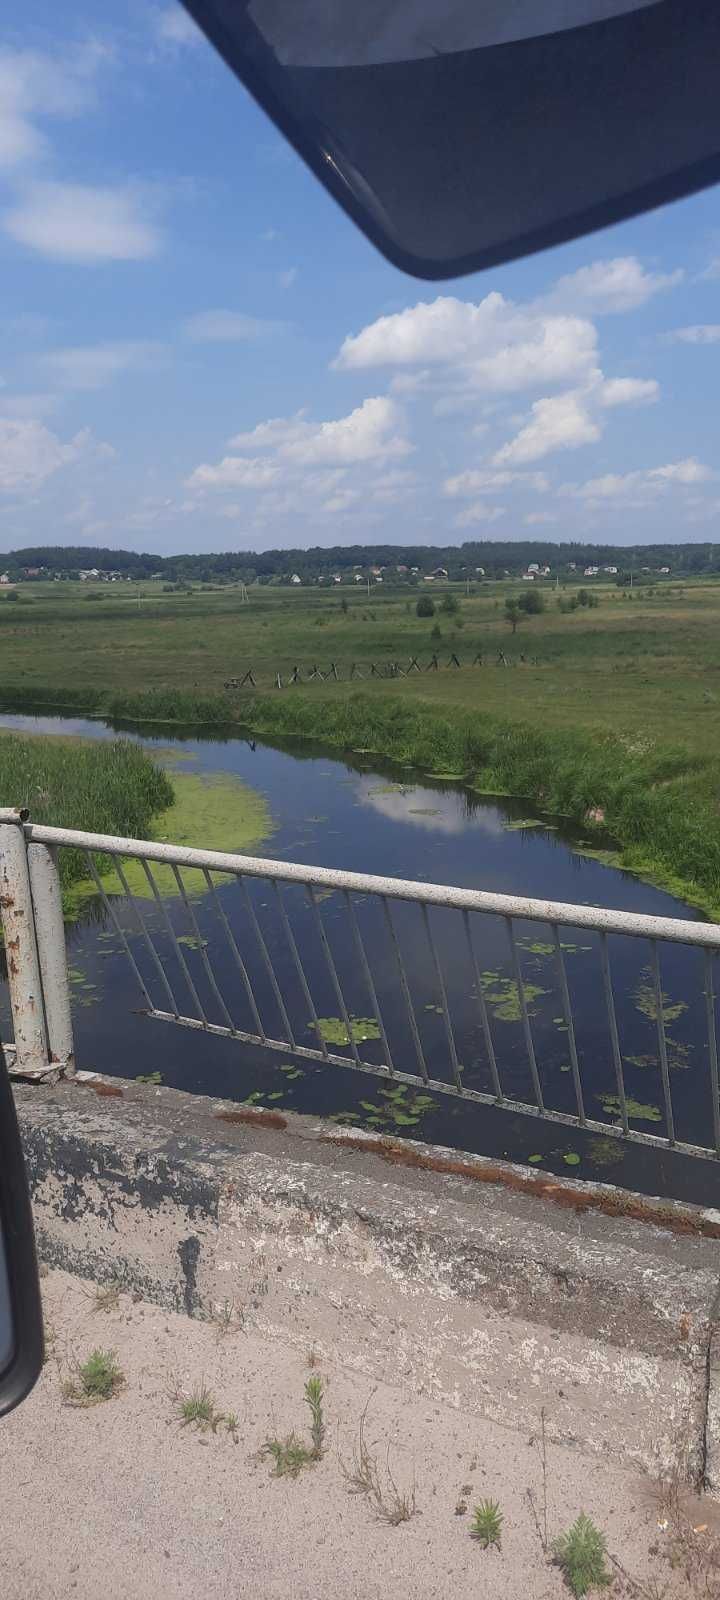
pixel 449 605
pixel 425 606
pixel 513 614
pixel 532 602
pixel 344 606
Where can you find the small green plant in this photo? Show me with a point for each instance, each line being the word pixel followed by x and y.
pixel 198 1409
pixel 314 1395
pixel 425 606
pixel 232 1425
pixel 99 1378
pixel 289 1455
pixel 487 1523
pixel 580 1553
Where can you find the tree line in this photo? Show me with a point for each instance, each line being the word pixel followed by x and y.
pixel 496 557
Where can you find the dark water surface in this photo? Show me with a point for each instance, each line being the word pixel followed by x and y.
pixel 389 821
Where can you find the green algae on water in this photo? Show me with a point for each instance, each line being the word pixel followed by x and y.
pixel 214 811
pixel 334 1031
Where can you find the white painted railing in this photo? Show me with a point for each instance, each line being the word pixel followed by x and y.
pixel 31 913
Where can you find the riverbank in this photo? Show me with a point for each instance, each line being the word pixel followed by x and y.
pixel 646 806
pixel 108 788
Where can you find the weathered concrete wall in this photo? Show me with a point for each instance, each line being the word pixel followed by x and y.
pixel 486 1295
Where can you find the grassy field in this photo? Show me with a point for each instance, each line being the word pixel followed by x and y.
pixel 615 707
pixel 648 666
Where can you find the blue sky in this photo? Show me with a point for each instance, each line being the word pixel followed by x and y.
pixel 199 351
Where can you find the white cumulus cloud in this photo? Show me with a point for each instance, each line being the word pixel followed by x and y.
pixel 628 391
pixel 604 287
pixel 641 485
pixel 561 422
pixel 499 346
pixel 30 453
pixel 372 432
pixel 234 472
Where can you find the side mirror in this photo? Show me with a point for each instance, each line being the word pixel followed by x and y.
pixel 21 1323
pixel 459 136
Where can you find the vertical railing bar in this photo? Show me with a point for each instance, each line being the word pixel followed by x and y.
pixel 299 968
pixel 121 933
pixel 365 964
pixel 269 968
pixel 712 1046
pixel 662 1042
pixel 484 1018
pixel 567 1013
pixel 406 991
pixel 257 1019
pixel 443 996
pixel 332 969
pixel 159 901
pixel 534 1074
pixel 612 1023
pixel 132 901
pixel 201 947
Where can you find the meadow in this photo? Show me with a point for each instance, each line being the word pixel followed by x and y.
pixel 614 710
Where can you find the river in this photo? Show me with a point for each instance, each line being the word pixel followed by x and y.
pixel 363 814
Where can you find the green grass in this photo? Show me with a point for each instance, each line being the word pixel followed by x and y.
pixel 616 708
pixel 198 1410
pixel 97 1379
pixel 111 787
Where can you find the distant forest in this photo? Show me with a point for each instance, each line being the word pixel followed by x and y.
pixel 497 557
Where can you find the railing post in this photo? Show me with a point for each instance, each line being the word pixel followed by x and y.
pixel 52 954
pixel 23 966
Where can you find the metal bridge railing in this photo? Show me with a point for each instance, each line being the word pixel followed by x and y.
pixel 396 958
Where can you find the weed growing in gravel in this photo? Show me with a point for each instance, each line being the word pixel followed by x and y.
pixel 198 1409
pixel 580 1553
pixel 97 1379
pixel 363 1476
pixel 487 1523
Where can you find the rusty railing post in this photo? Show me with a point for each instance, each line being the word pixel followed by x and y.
pixel 23 965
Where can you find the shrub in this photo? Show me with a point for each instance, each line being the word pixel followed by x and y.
pixel 425 606
pixel 580 1553
pixel 449 604
pixel 532 602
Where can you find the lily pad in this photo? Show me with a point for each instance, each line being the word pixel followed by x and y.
pixel 334 1031
pixel 504 1000
pixel 571 1158
pixel 534 1159
pixel 149 1077
pixel 635 1108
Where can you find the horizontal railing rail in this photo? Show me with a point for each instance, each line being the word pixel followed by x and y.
pixel 431 986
